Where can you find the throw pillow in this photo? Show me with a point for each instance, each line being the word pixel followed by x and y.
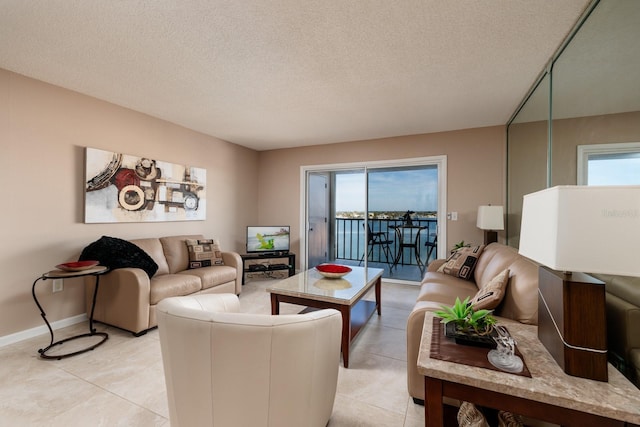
pixel 507 419
pixel 462 262
pixel 470 416
pixel 117 253
pixel 491 294
pixel 204 253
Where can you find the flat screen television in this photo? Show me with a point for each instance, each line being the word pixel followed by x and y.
pixel 268 239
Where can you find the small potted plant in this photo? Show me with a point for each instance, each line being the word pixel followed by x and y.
pixel 459 245
pixel 466 325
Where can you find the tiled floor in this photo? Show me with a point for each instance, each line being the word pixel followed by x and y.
pixel 121 383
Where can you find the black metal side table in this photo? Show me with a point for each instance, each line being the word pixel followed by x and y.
pixel 59 274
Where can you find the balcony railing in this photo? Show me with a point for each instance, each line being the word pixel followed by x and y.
pixel 351 242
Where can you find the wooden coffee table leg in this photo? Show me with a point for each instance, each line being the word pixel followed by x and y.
pixel 346 334
pixel 275 304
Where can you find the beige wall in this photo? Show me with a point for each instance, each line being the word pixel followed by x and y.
pixel 527 170
pixel 44 129
pixel 43 132
pixel 475 163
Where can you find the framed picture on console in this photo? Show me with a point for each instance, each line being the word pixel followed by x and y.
pixel 125 188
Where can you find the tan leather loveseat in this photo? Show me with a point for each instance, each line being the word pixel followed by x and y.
pixel 520 301
pixel 127 297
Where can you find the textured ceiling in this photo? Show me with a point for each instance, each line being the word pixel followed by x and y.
pixel 275 74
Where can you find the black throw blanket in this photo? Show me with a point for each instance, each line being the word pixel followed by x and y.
pixel 117 253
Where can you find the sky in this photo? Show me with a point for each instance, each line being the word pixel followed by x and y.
pixel 614 171
pixel 389 190
pixel 417 189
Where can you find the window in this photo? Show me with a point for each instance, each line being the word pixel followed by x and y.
pixel 609 164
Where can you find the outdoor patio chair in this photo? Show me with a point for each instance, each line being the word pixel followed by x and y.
pixel 432 246
pixel 381 239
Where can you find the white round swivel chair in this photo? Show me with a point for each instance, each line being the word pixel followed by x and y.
pixel 230 369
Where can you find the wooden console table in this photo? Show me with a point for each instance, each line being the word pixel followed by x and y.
pixel 549 395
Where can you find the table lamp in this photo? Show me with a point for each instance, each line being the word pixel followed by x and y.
pixel 490 219
pixel 571 230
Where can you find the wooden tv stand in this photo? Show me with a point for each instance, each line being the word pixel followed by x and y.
pixel 268 263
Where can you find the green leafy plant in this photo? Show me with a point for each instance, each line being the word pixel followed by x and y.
pixel 459 245
pixel 466 318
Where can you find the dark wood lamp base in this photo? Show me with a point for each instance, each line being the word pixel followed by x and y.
pixel 490 236
pixel 572 322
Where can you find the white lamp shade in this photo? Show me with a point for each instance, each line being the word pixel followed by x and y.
pixel 592 229
pixel 490 218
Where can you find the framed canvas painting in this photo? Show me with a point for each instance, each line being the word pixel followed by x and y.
pixel 125 188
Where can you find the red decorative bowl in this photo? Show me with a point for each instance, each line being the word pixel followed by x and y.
pixel 77 265
pixel 333 271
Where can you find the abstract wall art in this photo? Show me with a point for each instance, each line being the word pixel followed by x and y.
pixel 125 188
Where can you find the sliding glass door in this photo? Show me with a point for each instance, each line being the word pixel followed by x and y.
pixel 403 211
pixel 378 214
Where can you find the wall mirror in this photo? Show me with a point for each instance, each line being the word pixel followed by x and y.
pixel 593 97
pixel 527 148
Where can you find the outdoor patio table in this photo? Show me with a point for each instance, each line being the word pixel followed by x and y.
pixel 408 237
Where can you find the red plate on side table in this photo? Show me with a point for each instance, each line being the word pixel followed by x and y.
pixel 333 271
pixel 77 265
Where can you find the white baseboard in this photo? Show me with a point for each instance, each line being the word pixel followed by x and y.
pixel 40 330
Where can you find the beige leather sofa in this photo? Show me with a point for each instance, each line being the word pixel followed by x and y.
pixel 520 301
pixel 623 323
pixel 127 297
pixel 224 368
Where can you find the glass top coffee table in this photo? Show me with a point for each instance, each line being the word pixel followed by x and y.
pixel 311 289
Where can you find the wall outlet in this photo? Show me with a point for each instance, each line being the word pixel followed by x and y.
pixel 58 285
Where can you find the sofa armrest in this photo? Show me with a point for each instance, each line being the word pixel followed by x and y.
pixel 415 322
pixel 233 259
pixel 123 299
pixel 634 358
pixel 623 326
pixel 435 264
